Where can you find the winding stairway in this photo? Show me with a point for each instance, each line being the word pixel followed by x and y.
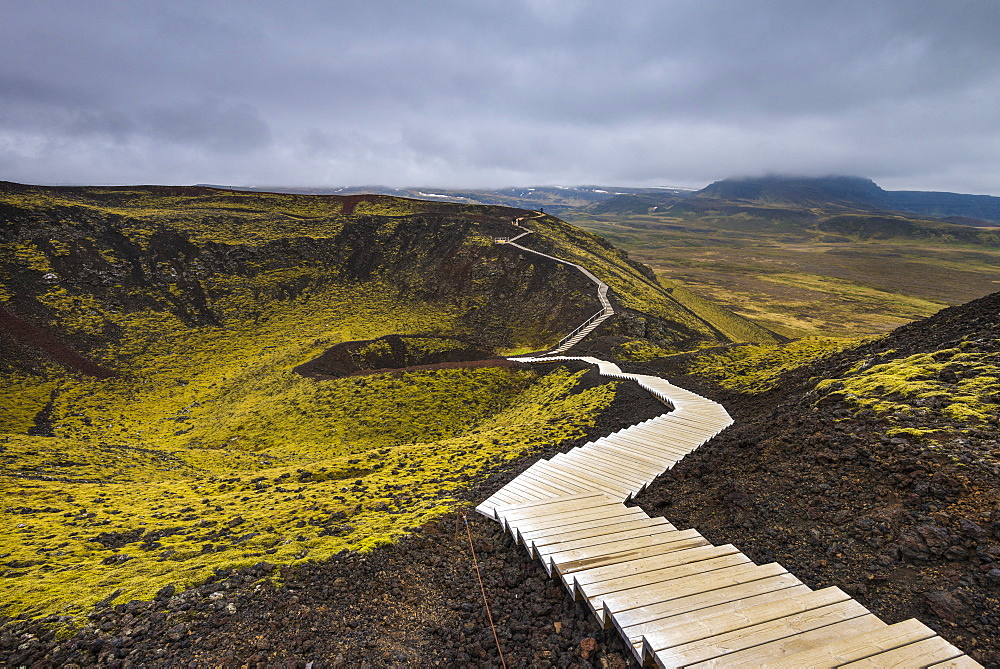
pixel 676 599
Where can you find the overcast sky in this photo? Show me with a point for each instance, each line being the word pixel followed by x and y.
pixel 500 93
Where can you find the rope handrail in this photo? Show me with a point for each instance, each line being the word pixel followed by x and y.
pixel 482 587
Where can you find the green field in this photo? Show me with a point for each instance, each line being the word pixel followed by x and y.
pixel 798 281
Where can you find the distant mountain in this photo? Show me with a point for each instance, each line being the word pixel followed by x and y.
pixel 947 205
pixel 554 199
pixel 798 190
pixel 855 192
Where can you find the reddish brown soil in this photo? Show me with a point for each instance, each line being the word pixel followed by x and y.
pixel 52 347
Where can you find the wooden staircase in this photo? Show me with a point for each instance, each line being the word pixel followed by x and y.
pixel 675 598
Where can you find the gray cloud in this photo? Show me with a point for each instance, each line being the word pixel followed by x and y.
pixel 494 93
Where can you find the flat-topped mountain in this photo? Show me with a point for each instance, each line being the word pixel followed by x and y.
pixel 853 192
pixel 805 191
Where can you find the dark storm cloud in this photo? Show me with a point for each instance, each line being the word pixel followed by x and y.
pixel 498 93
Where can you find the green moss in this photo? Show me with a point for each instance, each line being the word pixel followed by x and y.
pixel 915 382
pixel 31 256
pixel 755 369
pixel 22 397
pixel 209 450
pixel 909 432
pixel 207 508
pixel 640 350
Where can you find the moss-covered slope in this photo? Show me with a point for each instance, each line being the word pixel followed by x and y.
pixel 152 427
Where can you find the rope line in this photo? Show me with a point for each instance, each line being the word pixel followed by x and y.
pixel 482 587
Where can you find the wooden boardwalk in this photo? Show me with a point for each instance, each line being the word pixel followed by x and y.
pixel 678 600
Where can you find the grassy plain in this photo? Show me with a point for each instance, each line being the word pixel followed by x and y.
pixel 799 281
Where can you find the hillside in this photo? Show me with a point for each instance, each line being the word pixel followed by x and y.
pixel 217 438
pixel 874 467
pixel 196 379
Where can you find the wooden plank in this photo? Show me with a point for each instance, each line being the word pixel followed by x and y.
pixel 919 654
pixel 689 439
pixel 630 450
pixel 648 447
pixel 657 464
pixel 664 570
pixel 559 514
pixel 640 433
pixel 584 467
pixel 518 488
pixel 596 484
pixel 961 662
pixel 540 549
pixel 543 483
pixel 547 481
pixel 541 490
pixel 697 584
pixel 682 630
pixel 543 538
pixel 634 633
pixel 587 579
pixel 655 450
pixel 697 420
pixel 629 622
pixel 588 461
pixel 645 447
pixel 661 438
pixel 662 583
pixel 611 535
pixel 591 461
pixel 565 563
pixel 692 418
pixel 561 518
pixel 501 497
pixel 569 501
pixel 581 496
pixel 620 514
pixel 843 650
pixel 684 539
pixel 674 426
pixel 623 462
pixel 770 641
pixel 568 555
pixel 542 471
pixel 672 441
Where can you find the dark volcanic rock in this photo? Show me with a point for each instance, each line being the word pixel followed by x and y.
pixel 909 526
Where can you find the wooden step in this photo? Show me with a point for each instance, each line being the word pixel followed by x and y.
pixel 861 646
pixel 634 633
pixel 767 642
pixel 919 654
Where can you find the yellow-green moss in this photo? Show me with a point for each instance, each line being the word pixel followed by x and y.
pixel 286 503
pixel 754 368
pixel 640 350
pixel 906 384
pixel 30 255
pixel 201 414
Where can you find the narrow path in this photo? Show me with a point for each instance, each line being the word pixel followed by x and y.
pixel 677 599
